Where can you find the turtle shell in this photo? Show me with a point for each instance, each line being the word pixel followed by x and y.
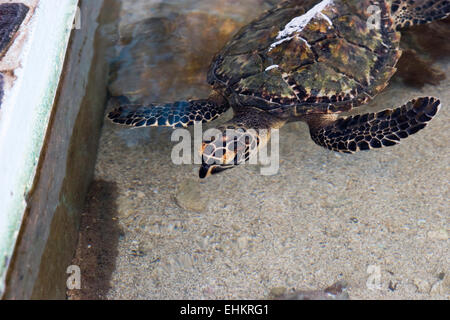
pixel 309 56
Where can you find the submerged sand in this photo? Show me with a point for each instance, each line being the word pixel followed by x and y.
pixel 377 220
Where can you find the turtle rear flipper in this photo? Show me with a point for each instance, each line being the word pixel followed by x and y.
pixel 373 130
pixel 409 13
pixel 176 115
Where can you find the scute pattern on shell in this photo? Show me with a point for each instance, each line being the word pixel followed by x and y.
pixel 322 68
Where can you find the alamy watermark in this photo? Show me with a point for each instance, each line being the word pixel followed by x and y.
pixel 374 21
pixel 374 280
pixel 235 148
pixel 74 280
pixel 77 20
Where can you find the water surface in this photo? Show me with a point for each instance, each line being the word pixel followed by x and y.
pixel 324 217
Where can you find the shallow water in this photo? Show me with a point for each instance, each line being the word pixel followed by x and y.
pixel 325 217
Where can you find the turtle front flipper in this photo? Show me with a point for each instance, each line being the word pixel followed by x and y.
pixel 409 13
pixel 373 130
pixel 176 115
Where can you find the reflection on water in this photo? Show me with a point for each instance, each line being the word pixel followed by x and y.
pixel 324 218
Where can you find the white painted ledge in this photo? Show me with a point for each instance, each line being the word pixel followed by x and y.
pixel 37 57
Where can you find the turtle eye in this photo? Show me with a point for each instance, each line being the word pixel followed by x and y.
pixel 208 141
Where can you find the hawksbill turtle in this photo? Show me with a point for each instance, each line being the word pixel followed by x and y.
pixel 304 60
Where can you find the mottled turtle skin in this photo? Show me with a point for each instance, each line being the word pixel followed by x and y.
pixel 304 60
pixel 316 70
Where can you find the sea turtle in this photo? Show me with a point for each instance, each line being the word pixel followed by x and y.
pixel 304 60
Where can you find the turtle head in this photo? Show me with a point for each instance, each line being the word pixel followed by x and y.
pixel 227 148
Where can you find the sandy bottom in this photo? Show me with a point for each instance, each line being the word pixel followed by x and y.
pixel 378 220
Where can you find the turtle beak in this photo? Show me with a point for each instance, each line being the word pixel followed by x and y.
pixel 206 170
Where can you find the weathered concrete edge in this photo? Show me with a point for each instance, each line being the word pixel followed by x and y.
pixel 26 110
pixel 49 234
